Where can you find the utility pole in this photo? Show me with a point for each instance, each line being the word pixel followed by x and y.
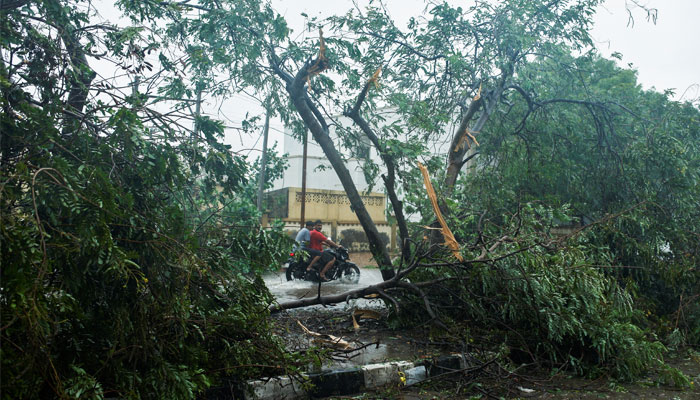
pixel 263 162
pixel 303 180
pixel 197 113
pixel 135 86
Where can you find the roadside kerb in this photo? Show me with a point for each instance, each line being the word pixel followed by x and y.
pixel 353 380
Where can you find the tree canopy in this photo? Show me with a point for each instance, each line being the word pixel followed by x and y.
pixel 131 251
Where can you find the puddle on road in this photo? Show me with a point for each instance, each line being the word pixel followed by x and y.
pixel 389 348
pixel 372 347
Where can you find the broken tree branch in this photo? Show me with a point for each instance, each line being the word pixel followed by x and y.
pixel 450 240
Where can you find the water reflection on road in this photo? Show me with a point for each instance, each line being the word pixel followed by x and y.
pixel 284 290
pixel 386 346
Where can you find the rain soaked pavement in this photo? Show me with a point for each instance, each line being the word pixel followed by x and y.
pixel 387 346
pixel 284 290
pixel 392 346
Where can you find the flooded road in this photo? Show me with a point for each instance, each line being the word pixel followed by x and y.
pixel 375 343
pixel 381 345
pixel 284 290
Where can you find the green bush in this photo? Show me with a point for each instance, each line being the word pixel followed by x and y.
pixel 106 289
pixel 549 303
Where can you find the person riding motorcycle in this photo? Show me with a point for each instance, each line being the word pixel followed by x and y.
pixel 317 240
pixel 303 237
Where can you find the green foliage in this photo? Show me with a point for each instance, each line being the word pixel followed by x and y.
pixel 122 273
pixel 670 376
pixel 550 304
pixel 618 151
pixel 131 248
pixel 594 150
pixel 106 282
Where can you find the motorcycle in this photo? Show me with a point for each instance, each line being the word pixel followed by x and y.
pixel 342 270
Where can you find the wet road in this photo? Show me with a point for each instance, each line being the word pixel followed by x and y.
pixel 386 346
pixel 284 290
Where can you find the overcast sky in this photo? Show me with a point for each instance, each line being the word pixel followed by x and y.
pixel 666 53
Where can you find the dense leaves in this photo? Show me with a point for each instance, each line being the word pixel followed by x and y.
pixel 131 245
pixel 123 274
pixel 545 298
pixel 613 150
pixel 601 253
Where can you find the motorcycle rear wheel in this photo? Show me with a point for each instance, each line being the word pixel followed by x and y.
pixel 295 270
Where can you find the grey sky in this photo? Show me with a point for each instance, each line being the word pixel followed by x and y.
pixel 666 54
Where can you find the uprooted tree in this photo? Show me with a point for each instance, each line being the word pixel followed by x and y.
pixel 104 190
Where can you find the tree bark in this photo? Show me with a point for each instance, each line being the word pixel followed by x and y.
pixel 458 149
pixel 315 122
pixel 81 76
pixel 487 103
pixel 456 153
pixel 390 178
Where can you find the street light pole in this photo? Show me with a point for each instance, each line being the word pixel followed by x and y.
pixel 263 162
pixel 303 180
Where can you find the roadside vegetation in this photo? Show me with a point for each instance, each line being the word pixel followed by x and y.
pixel 563 207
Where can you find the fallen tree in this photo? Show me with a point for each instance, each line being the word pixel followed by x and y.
pixel 541 295
pixel 113 205
pixel 464 77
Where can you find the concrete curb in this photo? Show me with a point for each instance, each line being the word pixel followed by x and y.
pixel 353 380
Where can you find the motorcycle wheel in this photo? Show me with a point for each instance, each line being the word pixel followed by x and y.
pixel 350 274
pixel 295 271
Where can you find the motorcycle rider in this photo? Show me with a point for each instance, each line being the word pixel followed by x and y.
pixel 303 237
pixel 303 240
pixel 316 243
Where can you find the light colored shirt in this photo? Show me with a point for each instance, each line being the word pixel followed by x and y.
pixel 303 238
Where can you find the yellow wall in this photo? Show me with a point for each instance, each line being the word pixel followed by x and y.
pixel 333 206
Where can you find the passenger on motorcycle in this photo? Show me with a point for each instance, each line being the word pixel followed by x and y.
pixel 316 243
pixel 303 237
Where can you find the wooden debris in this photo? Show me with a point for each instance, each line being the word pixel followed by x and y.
pixel 463 140
pixel 367 314
pixel 326 339
pixel 469 133
pixel 321 62
pixel 450 240
pixel 375 78
pixel 359 314
pixel 355 325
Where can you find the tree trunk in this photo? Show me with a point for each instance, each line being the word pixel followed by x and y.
pixel 263 161
pixel 390 178
pixel 80 79
pixel 314 121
